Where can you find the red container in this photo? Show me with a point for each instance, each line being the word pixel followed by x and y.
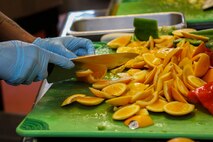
pixel 19 99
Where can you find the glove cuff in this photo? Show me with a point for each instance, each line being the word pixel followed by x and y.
pixel 37 41
pixel 41 43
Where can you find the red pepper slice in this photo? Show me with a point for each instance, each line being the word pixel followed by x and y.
pixel 204 95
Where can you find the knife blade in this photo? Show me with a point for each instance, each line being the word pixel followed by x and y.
pixel 110 60
pixel 57 73
pixel 207 5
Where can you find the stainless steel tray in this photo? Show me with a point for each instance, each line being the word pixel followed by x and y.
pixel 72 17
pixel 91 23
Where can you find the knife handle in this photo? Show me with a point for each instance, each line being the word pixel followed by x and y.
pixel 50 68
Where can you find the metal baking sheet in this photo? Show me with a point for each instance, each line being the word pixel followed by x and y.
pixel 85 25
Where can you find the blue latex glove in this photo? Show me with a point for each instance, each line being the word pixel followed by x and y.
pixel 60 45
pixel 23 63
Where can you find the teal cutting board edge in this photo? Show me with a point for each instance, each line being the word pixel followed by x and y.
pixel 49 119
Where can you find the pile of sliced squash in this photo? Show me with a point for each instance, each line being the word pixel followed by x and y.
pixel 157 80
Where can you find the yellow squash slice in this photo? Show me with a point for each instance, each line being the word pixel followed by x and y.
pixel 89 101
pixel 140 120
pixel 126 112
pixel 116 89
pixel 157 106
pixel 71 99
pixel 119 101
pixel 120 41
pixel 178 108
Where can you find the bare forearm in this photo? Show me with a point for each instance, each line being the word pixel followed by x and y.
pixel 9 30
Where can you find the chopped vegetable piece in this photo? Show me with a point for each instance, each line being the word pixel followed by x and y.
pixel 195 81
pixel 193 36
pixel 177 95
pixel 178 108
pixel 201 64
pixel 116 89
pixel 97 92
pixel 119 101
pixel 204 95
pixel 208 77
pixel 89 101
pixel 144 28
pixel 140 120
pixel 157 106
pixel 180 139
pixel 126 112
pixel 83 73
pixel 71 99
pixel 120 41
pixel 179 32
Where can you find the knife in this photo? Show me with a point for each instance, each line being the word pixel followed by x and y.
pixel 207 5
pixel 111 61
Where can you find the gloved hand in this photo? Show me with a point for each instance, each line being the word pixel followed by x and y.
pixel 59 45
pixel 23 63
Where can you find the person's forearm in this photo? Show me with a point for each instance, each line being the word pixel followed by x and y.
pixel 9 30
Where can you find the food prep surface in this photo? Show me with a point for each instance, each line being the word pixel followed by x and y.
pixel 49 119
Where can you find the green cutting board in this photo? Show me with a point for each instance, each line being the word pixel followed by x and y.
pixel 49 119
pixel 192 11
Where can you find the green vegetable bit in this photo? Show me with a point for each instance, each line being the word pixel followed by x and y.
pixel 194 42
pixel 166 30
pixel 144 28
pixel 102 48
pixel 101 127
pixel 209 34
